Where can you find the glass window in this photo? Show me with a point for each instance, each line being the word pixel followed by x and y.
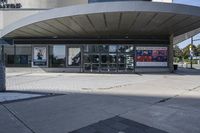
pixel 104 48
pixel 95 58
pixel 95 67
pixel 113 67
pixel 112 58
pixel 104 67
pixel 121 59
pixel 87 67
pixel 112 48
pixel 23 56
pixel 74 57
pixel 91 48
pixel 125 48
pixel 9 55
pixel 87 58
pixel 57 56
pixel 121 67
pixel 104 59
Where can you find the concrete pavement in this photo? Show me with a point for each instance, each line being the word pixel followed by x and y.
pixel 160 102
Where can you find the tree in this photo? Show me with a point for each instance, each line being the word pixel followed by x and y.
pixel 186 51
pixel 177 52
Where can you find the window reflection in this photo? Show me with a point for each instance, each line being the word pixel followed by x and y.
pixel 74 57
pixel 112 58
pixel 125 48
pixel 57 56
pixel 121 59
pixel 112 48
pixel 95 58
pixel 104 48
pixel 87 58
pixel 104 59
pixel 91 48
pixel 109 58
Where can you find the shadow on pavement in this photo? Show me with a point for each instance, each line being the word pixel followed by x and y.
pixel 187 71
pixel 66 113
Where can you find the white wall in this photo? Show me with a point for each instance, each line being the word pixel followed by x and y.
pixel 1 20
pixel 47 3
pixel 11 16
pixel 167 1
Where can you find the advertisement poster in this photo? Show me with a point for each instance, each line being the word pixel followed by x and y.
pixel 151 56
pixel 40 56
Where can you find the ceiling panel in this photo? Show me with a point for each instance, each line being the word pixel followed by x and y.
pixel 72 25
pixel 171 22
pixel 30 31
pixel 158 20
pixel 127 20
pixel 98 22
pixel 61 27
pixel 19 34
pixel 142 20
pixel 184 24
pixel 113 21
pixel 48 28
pixel 41 30
pixel 85 23
pixel 191 27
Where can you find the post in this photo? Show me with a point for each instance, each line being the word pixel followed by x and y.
pixel 171 54
pixel 191 52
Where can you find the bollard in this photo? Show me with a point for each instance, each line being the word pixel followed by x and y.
pixel 2 78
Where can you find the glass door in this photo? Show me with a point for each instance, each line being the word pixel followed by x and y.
pixel 74 57
pixel 126 58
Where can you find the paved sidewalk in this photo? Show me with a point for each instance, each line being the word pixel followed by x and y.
pixel 157 102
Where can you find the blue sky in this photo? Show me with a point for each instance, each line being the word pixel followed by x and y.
pixel 189 2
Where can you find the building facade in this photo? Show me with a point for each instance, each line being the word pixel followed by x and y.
pixel 94 35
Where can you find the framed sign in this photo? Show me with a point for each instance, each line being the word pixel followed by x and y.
pixel 39 56
pixel 151 56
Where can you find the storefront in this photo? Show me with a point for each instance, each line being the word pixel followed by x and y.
pixel 104 56
pixel 106 37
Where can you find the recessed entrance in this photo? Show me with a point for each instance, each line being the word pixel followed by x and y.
pixel 109 58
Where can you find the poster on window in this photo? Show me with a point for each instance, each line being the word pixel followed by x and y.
pixel 40 56
pixel 151 56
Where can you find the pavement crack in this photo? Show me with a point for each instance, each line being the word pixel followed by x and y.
pixel 18 75
pixel 108 88
pixel 194 88
pixel 166 99
pixel 20 120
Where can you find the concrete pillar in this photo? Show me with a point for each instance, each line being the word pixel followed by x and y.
pixel 171 54
pixel 2 71
pixel 2 78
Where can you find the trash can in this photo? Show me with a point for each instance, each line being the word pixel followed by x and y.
pixel 2 78
pixel 175 67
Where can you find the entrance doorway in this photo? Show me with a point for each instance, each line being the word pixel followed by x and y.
pixel 109 58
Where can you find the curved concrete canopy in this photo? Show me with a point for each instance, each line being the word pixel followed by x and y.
pixel 107 19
